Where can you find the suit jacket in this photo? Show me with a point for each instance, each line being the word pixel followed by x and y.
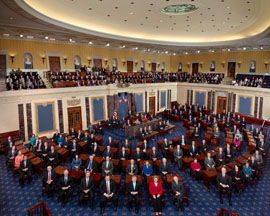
pixel 80 136
pixel 178 187
pixel 238 175
pixel 165 145
pixel 120 155
pixel 86 138
pixel 12 155
pixel 94 165
pixel 95 151
pixel 176 154
pixel 163 168
pixel 222 156
pixel 71 146
pixel 39 146
pixel 147 147
pixel 55 137
pixel 226 180
pixel 45 151
pixel 193 152
pixel 137 156
pixel 155 190
pixel 130 187
pixel 62 182
pixel 74 134
pixel 110 143
pixel 152 155
pixel 108 153
pixel 260 160
pixel 227 153
pixel 53 155
pixel 135 169
pixel 209 162
pixel 90 184
pixel 254 165
pixel 103 186
pixel 110 167
pixel 28 165
pixel 46 176
pixel 203 148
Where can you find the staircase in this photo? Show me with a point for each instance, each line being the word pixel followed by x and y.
pixel 227 81
pixel 2 85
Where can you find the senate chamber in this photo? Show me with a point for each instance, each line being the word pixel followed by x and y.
pixel 124 107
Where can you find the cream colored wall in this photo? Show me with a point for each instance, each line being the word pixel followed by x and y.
pixel 221 59
pixel 18 48
pixel 9 117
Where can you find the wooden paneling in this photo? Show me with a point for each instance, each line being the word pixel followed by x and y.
pixel 153 67
pixel 221 104
pixel 195 68
pixel 231 69
pixel 3 66
pixel 54 62
pixel 98 63
pixel 75 118
pixel 152 105
pixel 129 66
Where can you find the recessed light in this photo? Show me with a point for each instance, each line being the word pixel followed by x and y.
pixel 229 50
pixel 186 53
pixel 70 40
pixel 11 18
pixel 46 37
pixel 21 35
pixel 131 13
pixel 160 20
pixel 30 37
pixel 198 51
pixel 6 35
pixel 228 7
pixel 166 52
pixel 244 48
pixel 90 42
pixel 261 47
pixel 52 39
pixel 107 44
pixel 174 54
pixel 148 50
pixel 136 48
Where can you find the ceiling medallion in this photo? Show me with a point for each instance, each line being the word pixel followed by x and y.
pixel 179 9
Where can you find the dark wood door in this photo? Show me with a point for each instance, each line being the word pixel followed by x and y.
pixel 54 62
pixel 3 66
pixel 231 69
pixel 129 66
pixel 75 118
pixel 195 68
pixel 221 104
pixel 152 105
pixel 154 67
pixel 98 63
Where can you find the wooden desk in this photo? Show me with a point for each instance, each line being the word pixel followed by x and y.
pixel 149 136
pixel 201 158
pixel 228 168
pixel 59 170
pixel 186 161
pixel 241 160
pixel 150 179
pixel 64 153
pixel 38 164
pixel 24 151
pixel 117 179
pixel 77 175
pixel 30 155
pixel 246 155
pixel 232 164
pixel 84 158
pixel 209 176
pixel 167 129
pixel 82 146
pixel 185 149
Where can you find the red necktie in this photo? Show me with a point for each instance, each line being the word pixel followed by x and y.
pixel 108 188
pixel 39 146
pixel 49 178
pixel 87 182
pixel 220 156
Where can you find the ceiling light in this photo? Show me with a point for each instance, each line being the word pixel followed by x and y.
pixel 70 40
pixel 136 48
pixel 186 53
pixel 228 7
pixel 90 42
pixel 107 44
pixel 261 47
pixel 174 54
pixel 52 39
pixel 11 18
pixel 244 48
pixel 148 50
pixel 166 52
pixel 198 51
pixel 21 35
pixel 6 35
pixel 160 20
pixel 131 13
pixel 30 37
pixel 158 51
pixel 255 48
pixel 229 50
pixel 46 37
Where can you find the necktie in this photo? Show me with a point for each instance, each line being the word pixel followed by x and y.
pixel 73 145
pixel 49 178
pixel 108 187
pixel 220 155
pixel 90 165
pixel 87 180
pixel 134 185
pixel 24 163
pixel 131 168
pixel 39 146
pixel 107 164
pixel 65 180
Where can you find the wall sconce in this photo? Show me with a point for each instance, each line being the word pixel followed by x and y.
pixel 223 64
pixel 136 63
pixel 188 64
pixel 124 62
pixel 149 64
pixel 89 61
pixel 12 58
pixel 158 65
pixel 239 63
pixel 43 59
pixel 65 60
pixel 106 61
pixel 266 64
pixel 201 64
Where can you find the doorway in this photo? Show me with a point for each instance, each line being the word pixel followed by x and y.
pixel 152 105
pixel 54 62
pixel 231 69
pixel 129 66
pixel 221 104
pixel 3 66
pixel 98 63
pixel 153 67
pixel 195 68
pixel 74 118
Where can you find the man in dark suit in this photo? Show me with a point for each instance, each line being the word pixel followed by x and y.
pixel 38 148
pixel 90 165
pixel 74 148
pixel 122 155
pixel 133 188
pixel 86 138
pixel 80 135
pixel 95 149
pixel 86 188
pixel 65 187
pixel 196 134
pixel 178 155
pixel 165 148
pixel 109 142
pixel 73 133
pixel 44 151
pixel 228 152
pixel 52 157
pixel 203 147
pixel 55 137
pixel 164 169
pixel 132 168
pixel 178 190
pixel 107 167
pixel 145 146
pixel 25 169
pixel 49 181
pixel 193 150
pixel 11 155
pixel 108 152
pixel 137 156
pixel 107 190
pixel 220 157
pixel 127 144
pixel 224 183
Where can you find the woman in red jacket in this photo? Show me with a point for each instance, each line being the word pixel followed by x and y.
pixel 156 191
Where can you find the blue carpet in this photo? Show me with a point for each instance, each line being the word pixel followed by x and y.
pixel 254 201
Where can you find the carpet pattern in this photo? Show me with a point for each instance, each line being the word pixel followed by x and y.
pixel 254 201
